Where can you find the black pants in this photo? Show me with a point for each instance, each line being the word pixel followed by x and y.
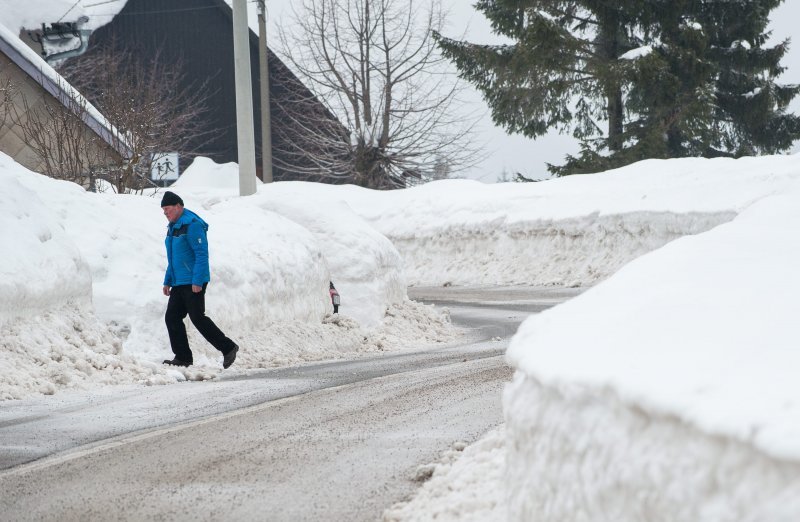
pixel 183 301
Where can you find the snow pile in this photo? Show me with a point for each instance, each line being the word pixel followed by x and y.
pixel 463 487
pixel 570 231
pixel 363 264
pixel 582 454
pixel 84 287
pixel 49 336
pixel 32 237
pixel 668 392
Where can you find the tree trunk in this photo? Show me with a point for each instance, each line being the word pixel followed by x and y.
pixel 609 42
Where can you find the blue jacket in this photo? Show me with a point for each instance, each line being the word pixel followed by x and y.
pixel 187 251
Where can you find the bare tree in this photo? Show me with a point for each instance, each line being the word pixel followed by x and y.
pixel 56 130
pixel 6 100
pixel 149 104
pixel 375 65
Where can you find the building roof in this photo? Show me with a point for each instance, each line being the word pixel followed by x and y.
pixel 37 69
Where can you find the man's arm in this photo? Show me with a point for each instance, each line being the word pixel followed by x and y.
pixel 197 239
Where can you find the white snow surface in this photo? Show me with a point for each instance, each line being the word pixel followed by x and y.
pixel 666 391
pixel 571 231
pixel 31 14
pixel 81 301
pixel 637 53
pixel 704 328
pixel 466 485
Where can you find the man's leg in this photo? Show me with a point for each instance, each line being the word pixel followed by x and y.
pixel 176 311
pixel 196 305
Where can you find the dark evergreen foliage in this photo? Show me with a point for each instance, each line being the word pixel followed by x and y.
pixel 706 88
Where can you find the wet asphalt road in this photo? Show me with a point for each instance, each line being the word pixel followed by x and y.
pixel 336 440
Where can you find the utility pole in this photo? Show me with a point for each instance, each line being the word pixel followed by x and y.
pixel 266 120
pixel 244 99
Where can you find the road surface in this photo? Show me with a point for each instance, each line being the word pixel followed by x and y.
pixel 337 440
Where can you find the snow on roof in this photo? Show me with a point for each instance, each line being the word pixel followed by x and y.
pixel 31 14
pixel 32 64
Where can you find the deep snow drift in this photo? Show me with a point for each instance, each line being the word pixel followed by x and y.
pixel 81 302
pixel 666 392
pixel 571 231
pixel 681 373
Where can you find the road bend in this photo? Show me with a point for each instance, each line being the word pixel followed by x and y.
pixel 338 440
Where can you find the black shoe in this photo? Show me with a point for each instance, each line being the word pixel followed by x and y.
pixel 229 357
pixel 177 362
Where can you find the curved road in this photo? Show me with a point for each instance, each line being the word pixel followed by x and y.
pixel 330 441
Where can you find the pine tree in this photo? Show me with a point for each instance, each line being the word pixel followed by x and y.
pixel 750 116
pixel 700 83
pixel 560 74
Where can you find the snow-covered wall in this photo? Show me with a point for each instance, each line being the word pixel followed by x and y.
pixel 570 231
pixel 363 264
pixel 578 454
pixel 81 274
pixel 32 236
pixel 668 391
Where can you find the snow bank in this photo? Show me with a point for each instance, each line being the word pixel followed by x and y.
pixel 467 485
pixel 364 265
pixel 49 335
pixel 580 454
pixel 667 392
pixel 568 231
pixel 84 285
pixel 36 256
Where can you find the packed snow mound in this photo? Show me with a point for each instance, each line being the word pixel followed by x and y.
pixel 206 175
pixel 690 349
pixel 704 328
pixel 82 303
pixel 581 454
pixel 41 269
pixel 50 337
pixel 569 231
pixel 363 264
pixel 67 348
pixel 467 485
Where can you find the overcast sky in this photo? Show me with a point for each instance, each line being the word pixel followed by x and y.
pixel 518 154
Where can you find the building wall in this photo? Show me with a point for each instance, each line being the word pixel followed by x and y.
pixel 12 139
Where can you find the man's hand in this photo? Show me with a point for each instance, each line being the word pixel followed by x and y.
pixel 166 290
pixel 197 289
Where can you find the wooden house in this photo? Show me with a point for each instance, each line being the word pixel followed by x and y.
pixel 30 88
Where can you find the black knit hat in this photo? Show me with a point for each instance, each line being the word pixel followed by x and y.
pixel 170 198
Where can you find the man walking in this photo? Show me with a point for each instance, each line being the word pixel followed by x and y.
pixel 185 283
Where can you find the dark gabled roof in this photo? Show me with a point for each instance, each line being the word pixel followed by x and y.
pixel 277 62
